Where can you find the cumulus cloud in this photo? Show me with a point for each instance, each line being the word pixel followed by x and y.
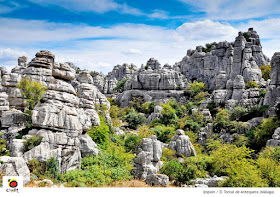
pixel 98 48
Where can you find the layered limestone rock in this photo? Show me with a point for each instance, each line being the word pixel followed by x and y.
pixel 209 181
pixel 272 97
pixel 62 115
pixel 157 180
pixel 182 145
pixel 15 166
pixel 275 141
pixel 242 57
pixel 148 157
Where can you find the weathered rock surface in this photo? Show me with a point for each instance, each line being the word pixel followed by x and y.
pixel 15 166
pixel 182 145
pixel 209 181
pixel 157 180
pixel 275 141
pixel 148 157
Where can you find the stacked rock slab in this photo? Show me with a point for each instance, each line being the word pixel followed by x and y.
pixel 15 166
pixel 182 145
pixel 242 57
pixel 148 157
pixel 275 141
pixel 58 118
pixel 272 97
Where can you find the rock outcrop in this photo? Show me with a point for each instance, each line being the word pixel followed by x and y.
pixel 275 141
pixel 15 166
pixel 148 157
pixel 182 145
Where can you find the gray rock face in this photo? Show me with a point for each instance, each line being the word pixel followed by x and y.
pixel 239 58
pixel 275 141
pixel 209 182
pixel 13 118
pixel 181 144
pixel 273 90
pixel 15 166
pixel 147 161
pixel 87 146
pixel 156 115
pixel 62 115
pixel 157 180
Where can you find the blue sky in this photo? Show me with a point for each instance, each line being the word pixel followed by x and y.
pixel 98 34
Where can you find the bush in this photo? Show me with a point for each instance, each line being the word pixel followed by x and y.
pixel 3 148
pixel 120 85
pixel 168 155
pixel 200 97
pixel 265 130
pixel 164 134
pixel 168 114
pixel 137 103
pixel 194 88
pixel 52 168
pixel 111 165
pixel 251 84
pixel 238 113
pixel 236 163
pixel 148 107
pixel 32 142
pixel 31 91
pixel 266 72
pixel 172 169
pixel 100 134
pixel 221 121
pixel 208 46
pixel 269 165
pixel 134 119
pixel 132 143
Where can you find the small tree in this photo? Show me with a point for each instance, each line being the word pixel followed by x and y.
pixel 266 72
pixel 134 119
pixel 32 91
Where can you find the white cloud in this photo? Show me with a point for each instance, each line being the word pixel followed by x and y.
pixel 98 48
pixel 235 10
pixel 98 6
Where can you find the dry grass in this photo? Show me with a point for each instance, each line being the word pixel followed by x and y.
pixel 131 183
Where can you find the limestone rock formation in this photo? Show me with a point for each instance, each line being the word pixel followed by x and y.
pixel 225 61
pixel 182 145
pixel 275 141
pixel 272 97
pixel 157 180
pixel 209 181
pixel 15 166
pixel 148 157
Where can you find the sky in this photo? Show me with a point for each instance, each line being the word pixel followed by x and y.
pixel 98 34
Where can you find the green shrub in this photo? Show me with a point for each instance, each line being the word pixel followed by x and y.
pixel 251 84
pixel 32 142
pixel 265 130
pixel 164 134
pixel 238 112
pixel 31 91
pixel 3 148
pixel 172 169
pixel 198 117
pixel 148 107
pixel 192 135
pixel 222 121
pixel 179 110
pixel 200 97
pixel 208 46
pixel 194 88
pixel 136 102
pixel 132 143
pixel 266 72
pixel 168 155
pixel 134 119
pixel 269 165
pixel 100 134
pixel 168 115
pixel 111 165
pixel 236 163
pixel 120 85
pixel 52 168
